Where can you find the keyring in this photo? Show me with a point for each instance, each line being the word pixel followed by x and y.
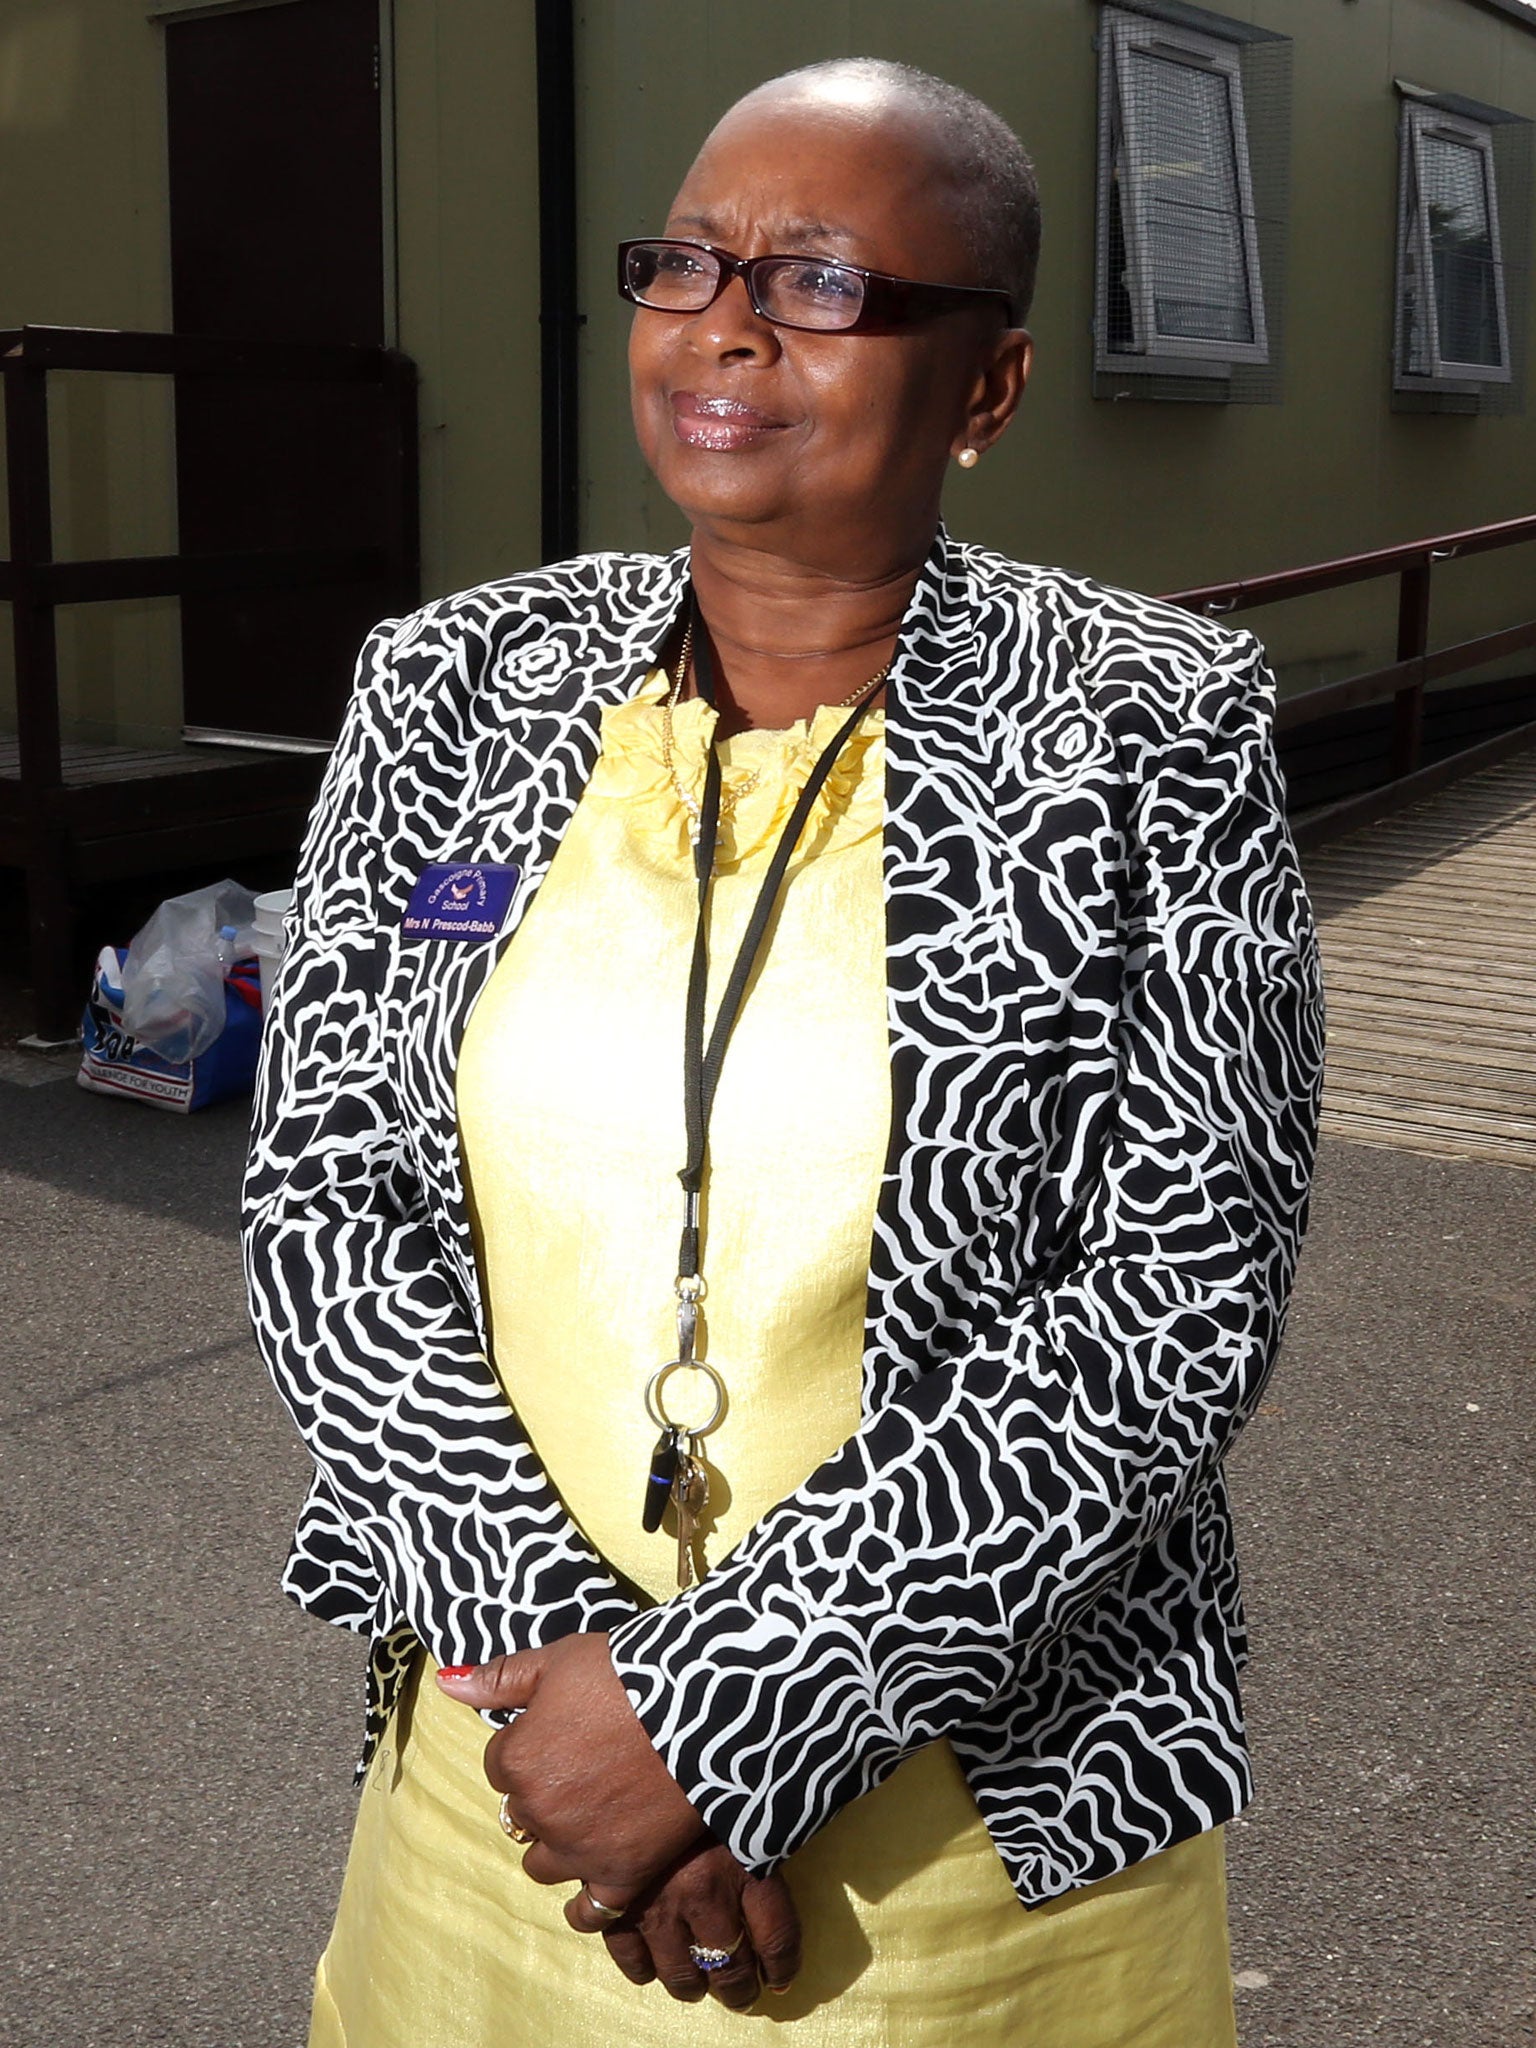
pixel 658 1380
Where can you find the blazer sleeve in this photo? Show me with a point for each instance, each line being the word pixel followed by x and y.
pixel 977 1514
pixel 429 1508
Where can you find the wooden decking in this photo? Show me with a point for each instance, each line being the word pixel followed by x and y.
pixel 1428 926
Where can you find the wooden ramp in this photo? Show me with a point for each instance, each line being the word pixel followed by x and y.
pixel 1428 928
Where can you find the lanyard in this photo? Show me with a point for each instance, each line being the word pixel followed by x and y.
pixel 675 1473
pixel 701 1062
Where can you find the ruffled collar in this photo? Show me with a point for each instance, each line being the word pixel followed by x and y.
pixel 632 770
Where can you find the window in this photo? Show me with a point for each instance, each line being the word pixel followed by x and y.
pixel 1452 322
pixel 1182 287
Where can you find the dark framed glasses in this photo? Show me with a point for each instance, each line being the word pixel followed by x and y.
pixel 813 292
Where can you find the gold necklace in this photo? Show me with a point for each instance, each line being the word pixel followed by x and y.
pixel 731 794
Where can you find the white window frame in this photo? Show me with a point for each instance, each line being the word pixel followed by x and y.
pixel 1121 34
pixel 1413 243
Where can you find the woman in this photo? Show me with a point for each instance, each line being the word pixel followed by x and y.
pixel 932 919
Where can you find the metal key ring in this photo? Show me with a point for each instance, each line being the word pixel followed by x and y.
pixel 658 1380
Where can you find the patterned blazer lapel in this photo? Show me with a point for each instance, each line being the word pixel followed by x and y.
pixel 524 734
pixel 1004 976
pixel 940 877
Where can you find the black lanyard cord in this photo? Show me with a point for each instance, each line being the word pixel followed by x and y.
pixel 701 1063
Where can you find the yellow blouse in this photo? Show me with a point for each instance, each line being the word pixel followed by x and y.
pixel 571 1118
pixel 571 1109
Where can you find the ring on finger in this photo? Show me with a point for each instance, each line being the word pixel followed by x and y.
pixel 603 1912
pixel 709 1959
pixel 512 1827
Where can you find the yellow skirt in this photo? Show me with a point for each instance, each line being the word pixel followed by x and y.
pixel 913 1936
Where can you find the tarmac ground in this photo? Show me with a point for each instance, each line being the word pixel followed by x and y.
pixel 177 1779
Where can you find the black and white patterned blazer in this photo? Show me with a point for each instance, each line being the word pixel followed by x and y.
pixel 1106 1045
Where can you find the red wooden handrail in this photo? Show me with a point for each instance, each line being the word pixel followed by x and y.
pixel 1248 591
pixel 1403 679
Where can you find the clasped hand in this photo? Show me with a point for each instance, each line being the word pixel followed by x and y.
pixel 580 1773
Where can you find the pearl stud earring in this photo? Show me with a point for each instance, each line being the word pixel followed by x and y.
pixel 967 458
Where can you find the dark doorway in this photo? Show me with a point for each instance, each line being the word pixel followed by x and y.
pixel 277 233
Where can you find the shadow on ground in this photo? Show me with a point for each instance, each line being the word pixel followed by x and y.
pixel 116 1154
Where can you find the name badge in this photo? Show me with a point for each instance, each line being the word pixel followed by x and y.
pixel 469 901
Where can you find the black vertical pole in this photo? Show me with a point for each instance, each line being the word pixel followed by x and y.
pixel 402 480
pixel 50 915
pixel 555 39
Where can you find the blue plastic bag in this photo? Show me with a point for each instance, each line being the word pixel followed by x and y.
pixel 114 1063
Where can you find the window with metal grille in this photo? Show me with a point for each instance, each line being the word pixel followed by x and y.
pixel 1460 278
pixel 1188 283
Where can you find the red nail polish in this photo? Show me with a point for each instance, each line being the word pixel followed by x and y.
pixel 456 1671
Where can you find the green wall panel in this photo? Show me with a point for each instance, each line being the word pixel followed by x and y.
pixel 1157 496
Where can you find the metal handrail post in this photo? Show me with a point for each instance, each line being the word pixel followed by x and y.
pixel 1412 645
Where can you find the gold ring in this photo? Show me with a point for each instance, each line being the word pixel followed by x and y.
pixel 603 1912
pixel 512 1827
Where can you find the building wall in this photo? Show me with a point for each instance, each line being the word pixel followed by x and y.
pixel 84 240
pixel 467 193
pixel 1160 496
pixel 1156 496
pixel 83 243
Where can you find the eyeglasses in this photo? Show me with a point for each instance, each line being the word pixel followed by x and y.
pixel 811 292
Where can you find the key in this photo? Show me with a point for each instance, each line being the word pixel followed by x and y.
pixel 690 1493
pixel 658 1484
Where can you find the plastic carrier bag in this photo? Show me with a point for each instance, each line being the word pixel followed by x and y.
pixel 173 980
pixel 114 1062
pixel 175 1018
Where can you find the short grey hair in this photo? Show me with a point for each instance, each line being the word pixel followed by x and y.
pixel 993 171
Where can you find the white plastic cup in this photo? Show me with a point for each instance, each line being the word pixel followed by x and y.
pixel 268 937
pixel 270 911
